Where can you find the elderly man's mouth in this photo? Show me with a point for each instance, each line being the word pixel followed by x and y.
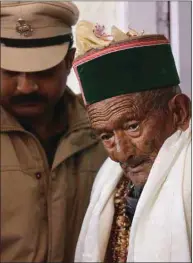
pixel 135 168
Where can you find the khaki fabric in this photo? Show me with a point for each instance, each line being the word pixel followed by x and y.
pixel 42 209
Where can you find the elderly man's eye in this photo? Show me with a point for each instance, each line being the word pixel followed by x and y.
pixel 105 137
pixel 132 127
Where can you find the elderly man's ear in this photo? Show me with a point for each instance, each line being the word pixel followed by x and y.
pixel 180 106
pixel 69 59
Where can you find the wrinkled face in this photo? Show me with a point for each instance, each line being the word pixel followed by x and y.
pixel 33 94
pixel 132 132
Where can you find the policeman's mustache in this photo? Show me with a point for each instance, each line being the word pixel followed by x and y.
pixel 29 98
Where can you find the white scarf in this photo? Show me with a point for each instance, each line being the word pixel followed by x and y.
pixel 159 231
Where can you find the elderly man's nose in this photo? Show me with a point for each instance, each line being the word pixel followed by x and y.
pixel 26 84
pixel 124 149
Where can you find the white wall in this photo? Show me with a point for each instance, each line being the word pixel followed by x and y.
pixel 142 16
pixel 181 41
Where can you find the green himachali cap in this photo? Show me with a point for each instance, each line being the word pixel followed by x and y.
pixel 121 63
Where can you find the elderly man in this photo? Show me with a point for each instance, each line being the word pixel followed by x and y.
pixel 49 155
pixel 130 88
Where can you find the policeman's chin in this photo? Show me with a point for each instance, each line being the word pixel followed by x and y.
pixel 29 110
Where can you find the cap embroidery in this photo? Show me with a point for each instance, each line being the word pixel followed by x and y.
pixel 23 28
pixel 134 33
pixel 99 31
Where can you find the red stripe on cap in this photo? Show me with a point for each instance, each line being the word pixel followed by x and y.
pixel 120 47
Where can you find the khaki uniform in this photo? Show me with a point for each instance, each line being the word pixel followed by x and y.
pixel 42 209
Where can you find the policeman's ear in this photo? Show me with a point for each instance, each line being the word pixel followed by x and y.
pixel 180 106
pixel 69 59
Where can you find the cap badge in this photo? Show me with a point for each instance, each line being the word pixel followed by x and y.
pixel 23 28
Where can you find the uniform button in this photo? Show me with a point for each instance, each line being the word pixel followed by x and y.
pixel 38 175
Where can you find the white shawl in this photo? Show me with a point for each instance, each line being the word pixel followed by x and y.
pixel 159 231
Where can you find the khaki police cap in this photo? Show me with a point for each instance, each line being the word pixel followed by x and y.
pixel 35 36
